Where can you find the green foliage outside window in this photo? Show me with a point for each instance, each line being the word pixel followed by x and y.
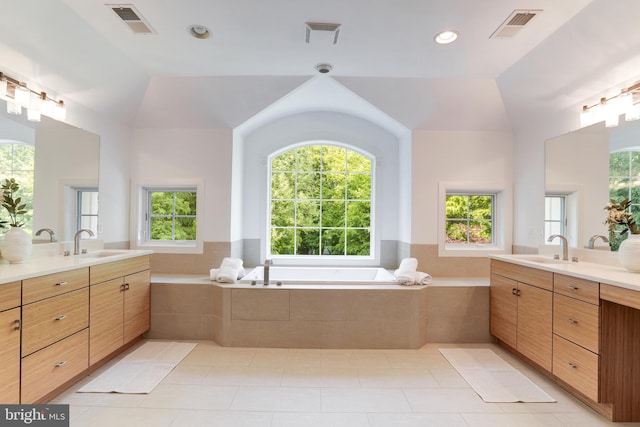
pixel 172 215
pixel 469 219
pixel 321 202
pixel 624 183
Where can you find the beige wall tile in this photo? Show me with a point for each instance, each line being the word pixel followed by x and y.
pixel 259 304
pixel 430 262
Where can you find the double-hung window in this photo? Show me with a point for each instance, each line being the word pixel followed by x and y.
pixel 170 214
pixel 473 219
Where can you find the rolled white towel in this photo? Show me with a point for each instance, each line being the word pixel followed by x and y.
pixel 405 278
pixel 230 270
pixel 213 273
pixel 405 274
pixel 408 264
pixel 423 278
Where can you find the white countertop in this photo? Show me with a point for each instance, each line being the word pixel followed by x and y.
pixel 54 264
pixel 608 274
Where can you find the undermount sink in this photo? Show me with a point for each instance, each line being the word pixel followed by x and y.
pixel 541 259
pixel 102 254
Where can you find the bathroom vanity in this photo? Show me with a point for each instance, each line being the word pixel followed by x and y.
pixel 577 322
pixel 62 317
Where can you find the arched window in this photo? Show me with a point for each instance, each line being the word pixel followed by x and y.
pixel 17 161
pixel 320 202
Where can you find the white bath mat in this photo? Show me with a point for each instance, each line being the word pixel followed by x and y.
pixel 493 378
pixel 142 370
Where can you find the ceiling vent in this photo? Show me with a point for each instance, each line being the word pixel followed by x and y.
pixel 130 16
pixel 514 23
pixel 322 33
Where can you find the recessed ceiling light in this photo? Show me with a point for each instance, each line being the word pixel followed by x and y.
pixel 199 31
pixel 324 68
pixel 446 37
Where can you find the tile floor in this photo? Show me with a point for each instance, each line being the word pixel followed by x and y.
pixel 247 387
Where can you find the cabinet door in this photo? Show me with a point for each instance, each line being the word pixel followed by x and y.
pixel 137 302
pixel 535 333
pixel 504 309
pixel 10 356
pixel 106 319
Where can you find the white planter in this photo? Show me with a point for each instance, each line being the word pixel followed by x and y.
pixel 16 245
pixel 629 253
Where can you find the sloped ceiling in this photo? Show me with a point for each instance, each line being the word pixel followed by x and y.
pixel 78 50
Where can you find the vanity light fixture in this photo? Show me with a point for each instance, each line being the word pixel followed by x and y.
pixel 610 109
pixel 446 37
pixel 18 95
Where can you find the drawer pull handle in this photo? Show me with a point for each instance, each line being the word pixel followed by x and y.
pixel 126 286
pixel 17 324
pixel 61 364
pixel 572 320
pixel 573 288
pixel 61 317
pixel 62 284
pixel 514 291
pixel 572 365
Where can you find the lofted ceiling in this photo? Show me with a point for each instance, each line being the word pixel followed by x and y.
pixel 256 55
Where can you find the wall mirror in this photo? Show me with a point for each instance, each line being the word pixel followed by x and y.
pixel 579 181
pixel 64 163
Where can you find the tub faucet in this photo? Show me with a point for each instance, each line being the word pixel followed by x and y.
pixel 52 235
pixel 592 240
pixel 265 277
pixel 76 239
pixel 565 245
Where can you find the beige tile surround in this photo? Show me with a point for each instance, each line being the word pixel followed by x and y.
pixel 319 318
pixel 214 252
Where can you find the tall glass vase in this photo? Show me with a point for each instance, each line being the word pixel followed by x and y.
pixel 16 245
pixel 629 253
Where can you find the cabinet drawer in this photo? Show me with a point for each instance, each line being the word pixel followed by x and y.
pixel 112 270
pixel 50 285
pixel 582 289
pixel 9 295
pixel 47 321
pixel 531 276
pixel 47 369
pixel 576 366
pixel 577 321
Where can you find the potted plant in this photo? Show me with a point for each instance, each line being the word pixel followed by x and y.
pixel 16 243
pixel 619 218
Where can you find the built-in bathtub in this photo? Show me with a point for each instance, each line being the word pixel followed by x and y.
pixel 355 311
pixel 287 276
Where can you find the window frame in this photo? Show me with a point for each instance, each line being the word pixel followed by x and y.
pixel 563 221
pixel 293 259
pixel 502 220
pixel 78 209
pixel 141 240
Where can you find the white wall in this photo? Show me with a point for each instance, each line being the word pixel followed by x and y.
pixel 179 156
pixel 477 157
pixel 321 126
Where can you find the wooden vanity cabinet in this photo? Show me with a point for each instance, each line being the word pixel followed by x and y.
pixel 55 321
pixel 521 302
pixel 120 305
pixel 10 343
pixel 576 329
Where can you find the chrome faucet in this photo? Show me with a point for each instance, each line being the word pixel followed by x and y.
pixel 76 239
pixel 52 235
pixel 565 245
pixel 592 240
pixel 265 276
